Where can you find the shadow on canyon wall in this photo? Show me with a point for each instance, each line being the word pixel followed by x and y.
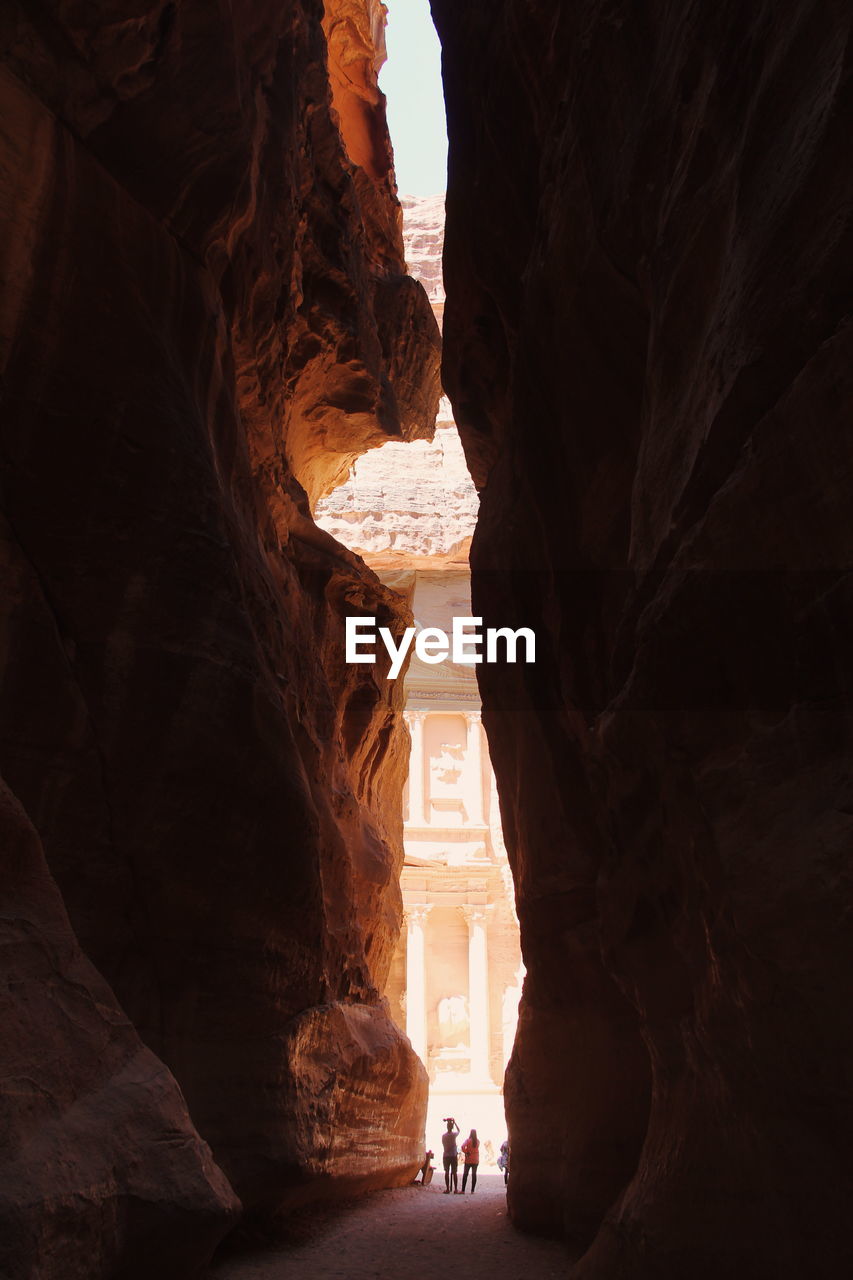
pixel 648 264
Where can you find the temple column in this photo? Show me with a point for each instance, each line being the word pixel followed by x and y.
pixel 415 721
pixel 478 990
pixel 416 1022
pixel 473 756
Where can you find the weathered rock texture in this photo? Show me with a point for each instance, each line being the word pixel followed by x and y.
pixel 410 504
pixel 95 1131
pixel 407 502
pixel 205 315
pixel 649 353
pixel 423 236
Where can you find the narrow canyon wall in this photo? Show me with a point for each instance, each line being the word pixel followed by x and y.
pixel 84 1105
pixel 205 316
pixel 649 351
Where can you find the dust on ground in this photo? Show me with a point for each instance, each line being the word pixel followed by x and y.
pixel 408 1233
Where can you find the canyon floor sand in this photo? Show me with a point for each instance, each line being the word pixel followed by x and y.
pixel 407 1233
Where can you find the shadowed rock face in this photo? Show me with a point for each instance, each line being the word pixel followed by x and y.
pixel 85 1106
pixel 649 354
pixel 205 315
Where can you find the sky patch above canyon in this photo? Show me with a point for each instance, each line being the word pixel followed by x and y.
pixel 411 80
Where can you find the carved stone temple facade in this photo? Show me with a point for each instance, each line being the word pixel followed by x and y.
pixel 455 983
pixel 456 978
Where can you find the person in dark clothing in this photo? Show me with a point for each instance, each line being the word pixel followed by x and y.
pixel 451 1156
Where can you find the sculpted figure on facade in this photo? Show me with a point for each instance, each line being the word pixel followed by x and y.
pixel 446 767
pixel 453 1021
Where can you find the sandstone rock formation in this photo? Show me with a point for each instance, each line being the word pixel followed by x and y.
pixel 95 1130
pixel 407 502
pixel 205 317
pixel 423 236
pixel 649 354
pixel 407 505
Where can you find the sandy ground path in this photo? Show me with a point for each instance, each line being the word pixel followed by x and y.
pixel 410 1233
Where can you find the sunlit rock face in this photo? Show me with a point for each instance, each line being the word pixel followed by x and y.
pixel 648 353
pixel 424 241
pixel 407 502
pixel 205 318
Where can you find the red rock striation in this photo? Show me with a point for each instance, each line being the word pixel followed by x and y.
pixel 204 318
pixel 649 353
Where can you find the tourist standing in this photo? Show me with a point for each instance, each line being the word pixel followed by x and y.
pixel 451 1156
pixel 471 1152
pixel 503 1159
